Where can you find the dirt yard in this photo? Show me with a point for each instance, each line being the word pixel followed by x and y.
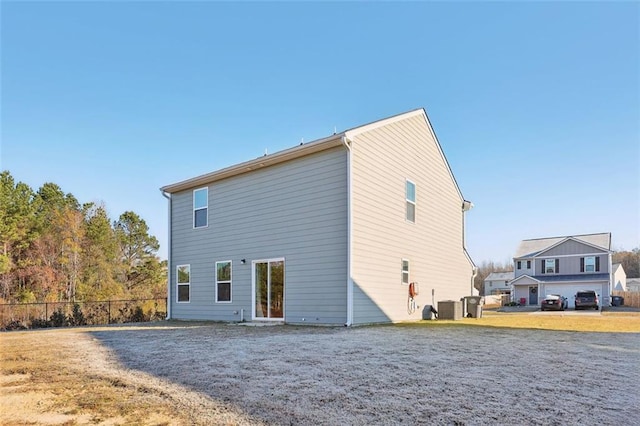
pixel 230 374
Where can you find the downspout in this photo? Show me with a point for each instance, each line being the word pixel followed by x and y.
pixel 349 322
pixel 473 279
pixel 466 206
pixel 168 197
pixel 611 284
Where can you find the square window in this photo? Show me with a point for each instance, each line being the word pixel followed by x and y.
pixel 200 218
pixel 183 293
pixel 184 274
pixel 224 292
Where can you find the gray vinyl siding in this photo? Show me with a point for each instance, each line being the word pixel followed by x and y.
pixel 295 210
pixel 383 159
pixel 570 265
pixel 571 247
pixel 524 270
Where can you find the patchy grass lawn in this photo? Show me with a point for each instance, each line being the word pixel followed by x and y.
pixel 64 377
pixel 614 322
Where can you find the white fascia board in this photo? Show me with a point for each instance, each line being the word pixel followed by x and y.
pixel 258 163
pixel 512 282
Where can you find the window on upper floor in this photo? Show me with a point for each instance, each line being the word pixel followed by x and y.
pixel 405 271
pixel 200 207
pixel 519 264
pixel 183 282
pixel 528 264
pixel 550 266
pixel 590 264
pixel 411 201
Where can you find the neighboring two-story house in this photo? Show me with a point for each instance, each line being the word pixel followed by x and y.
pixel 332 231
pixel 563 265
pixel 498 283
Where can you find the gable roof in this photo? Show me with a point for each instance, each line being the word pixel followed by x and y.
pixel 305 149
pixel 523 277
pixel 533 247
pixel 616 266
pixel 500 276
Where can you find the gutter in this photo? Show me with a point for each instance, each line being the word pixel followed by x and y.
pixel 168 197
pixel 347 144
pixel 257 163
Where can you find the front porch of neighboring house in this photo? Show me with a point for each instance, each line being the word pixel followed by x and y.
pixel 526 291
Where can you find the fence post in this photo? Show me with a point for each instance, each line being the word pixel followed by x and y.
pixel 46 311
pixel 109 313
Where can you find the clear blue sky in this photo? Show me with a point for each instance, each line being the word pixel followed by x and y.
pixel 536 105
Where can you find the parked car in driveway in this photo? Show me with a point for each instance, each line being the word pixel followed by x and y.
pixel 554 302
pixel 586 299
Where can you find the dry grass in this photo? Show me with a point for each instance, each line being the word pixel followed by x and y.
pixel 44 382
pixel 434 372
pixel 65 377
pixel 615 322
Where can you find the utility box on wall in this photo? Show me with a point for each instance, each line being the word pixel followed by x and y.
pixel 450 310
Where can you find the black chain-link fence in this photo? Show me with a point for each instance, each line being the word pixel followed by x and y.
pixel 59 314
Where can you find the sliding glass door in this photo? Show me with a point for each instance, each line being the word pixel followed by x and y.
pixel 268 289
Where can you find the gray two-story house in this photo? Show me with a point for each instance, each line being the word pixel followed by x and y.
pixel 562 265
pixel 332 231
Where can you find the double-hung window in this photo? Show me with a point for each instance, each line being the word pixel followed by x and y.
pixel 550 266
pixel 405 271
pixel 223 281
pixel 183 273
pixel 590 264
pixel 411 201
pixel 200 207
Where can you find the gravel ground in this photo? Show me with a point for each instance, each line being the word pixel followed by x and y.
pixel 394 374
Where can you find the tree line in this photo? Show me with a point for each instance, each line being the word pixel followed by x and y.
pixel 54 249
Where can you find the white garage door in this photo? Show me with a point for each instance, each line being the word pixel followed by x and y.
pixel 569 291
